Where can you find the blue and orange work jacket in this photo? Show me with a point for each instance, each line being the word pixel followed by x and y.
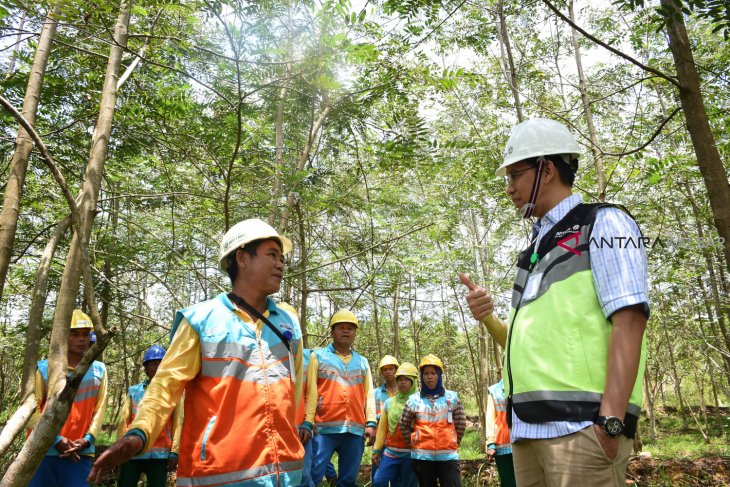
pixel 87 411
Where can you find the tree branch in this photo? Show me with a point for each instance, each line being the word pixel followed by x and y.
pixel 651 139
pixel 46 156
pixel 612 49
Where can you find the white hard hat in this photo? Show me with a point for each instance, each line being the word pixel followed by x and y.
pixel 245 232
pixel 538 137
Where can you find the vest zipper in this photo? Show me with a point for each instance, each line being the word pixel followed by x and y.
pixel 268 401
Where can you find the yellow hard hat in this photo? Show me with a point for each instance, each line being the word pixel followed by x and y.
pixel 81 320
pixel 388 360
pixel 431 359
pixel 246 232
pixel 344 316
pixel 407 369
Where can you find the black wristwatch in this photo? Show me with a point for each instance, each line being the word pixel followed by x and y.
pixel 611 425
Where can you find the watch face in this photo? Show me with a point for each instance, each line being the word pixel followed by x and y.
pixel 614 426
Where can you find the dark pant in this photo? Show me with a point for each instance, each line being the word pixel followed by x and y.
pixel 506 470
pixel 154 469
pixel 55 471
pixel 431 474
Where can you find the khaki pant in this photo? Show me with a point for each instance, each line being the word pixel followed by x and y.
pixel 570 461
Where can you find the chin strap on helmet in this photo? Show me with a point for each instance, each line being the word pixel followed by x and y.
pixel 528 209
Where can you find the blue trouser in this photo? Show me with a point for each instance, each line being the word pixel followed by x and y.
pixel 55 471
pixel 395 471
pixel 310 452
pixel 307 467
pixel 349 448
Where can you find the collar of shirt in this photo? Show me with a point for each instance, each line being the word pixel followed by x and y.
pixel 556 214
pixel 332 348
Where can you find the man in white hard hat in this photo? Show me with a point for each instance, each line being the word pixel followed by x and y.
pixel 340 402
pixel 238 358
pixel 575 349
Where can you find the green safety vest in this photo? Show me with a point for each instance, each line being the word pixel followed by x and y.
pixel 557 348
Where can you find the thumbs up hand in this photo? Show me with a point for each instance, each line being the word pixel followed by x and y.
pixel 480 303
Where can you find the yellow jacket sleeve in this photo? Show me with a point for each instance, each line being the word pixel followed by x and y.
pixel 312 395
pixel 177 420
pixel 100 409
pixel 40 396
pixel 370 399
pixel 491 425
pixel 124 416
pixel 382 431
pixel 180 365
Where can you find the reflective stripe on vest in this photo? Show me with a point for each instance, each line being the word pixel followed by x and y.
pixel 239 425
pixel 82 409
pixel 558 347
pixel 341 389
pixel 434 435
pixel 502 439
pixel 160 449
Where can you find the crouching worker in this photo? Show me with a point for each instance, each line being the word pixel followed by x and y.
pixel 394 463
pixel 433 423
pixel 162 456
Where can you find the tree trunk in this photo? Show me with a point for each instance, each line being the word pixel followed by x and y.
pixel 11 67
pixel 24 144
pixel 597 156
pixel 376 322
pixel 723 344
pixel 303 158
pixel 698 125
pixel 303 278
pixel 20 417
pixel 508 60
pixel 396 324
pixel 650 396
pixel 60 391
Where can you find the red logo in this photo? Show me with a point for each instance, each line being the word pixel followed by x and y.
pixel 573 236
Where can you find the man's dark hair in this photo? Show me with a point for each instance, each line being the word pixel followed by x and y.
pixel 251 249
pixel 566 172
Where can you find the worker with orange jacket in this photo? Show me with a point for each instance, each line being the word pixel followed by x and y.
pixel 498 445
pixel 163 455
pixel 69 460
pixel 433 423
pixel 237 358
pixel 340 401
pixel 391 452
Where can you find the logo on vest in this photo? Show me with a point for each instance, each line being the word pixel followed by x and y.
pixel 562 243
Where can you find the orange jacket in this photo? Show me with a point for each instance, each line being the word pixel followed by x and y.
pixel 87 408
pixel 434 436
pixel 497 430
pixel 343 393
pixel 240 408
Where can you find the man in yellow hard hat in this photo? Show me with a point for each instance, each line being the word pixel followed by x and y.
pixel 68 462
pixel 237 358
pixel 340 401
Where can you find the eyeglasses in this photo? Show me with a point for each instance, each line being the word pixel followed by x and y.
pixel 511 177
